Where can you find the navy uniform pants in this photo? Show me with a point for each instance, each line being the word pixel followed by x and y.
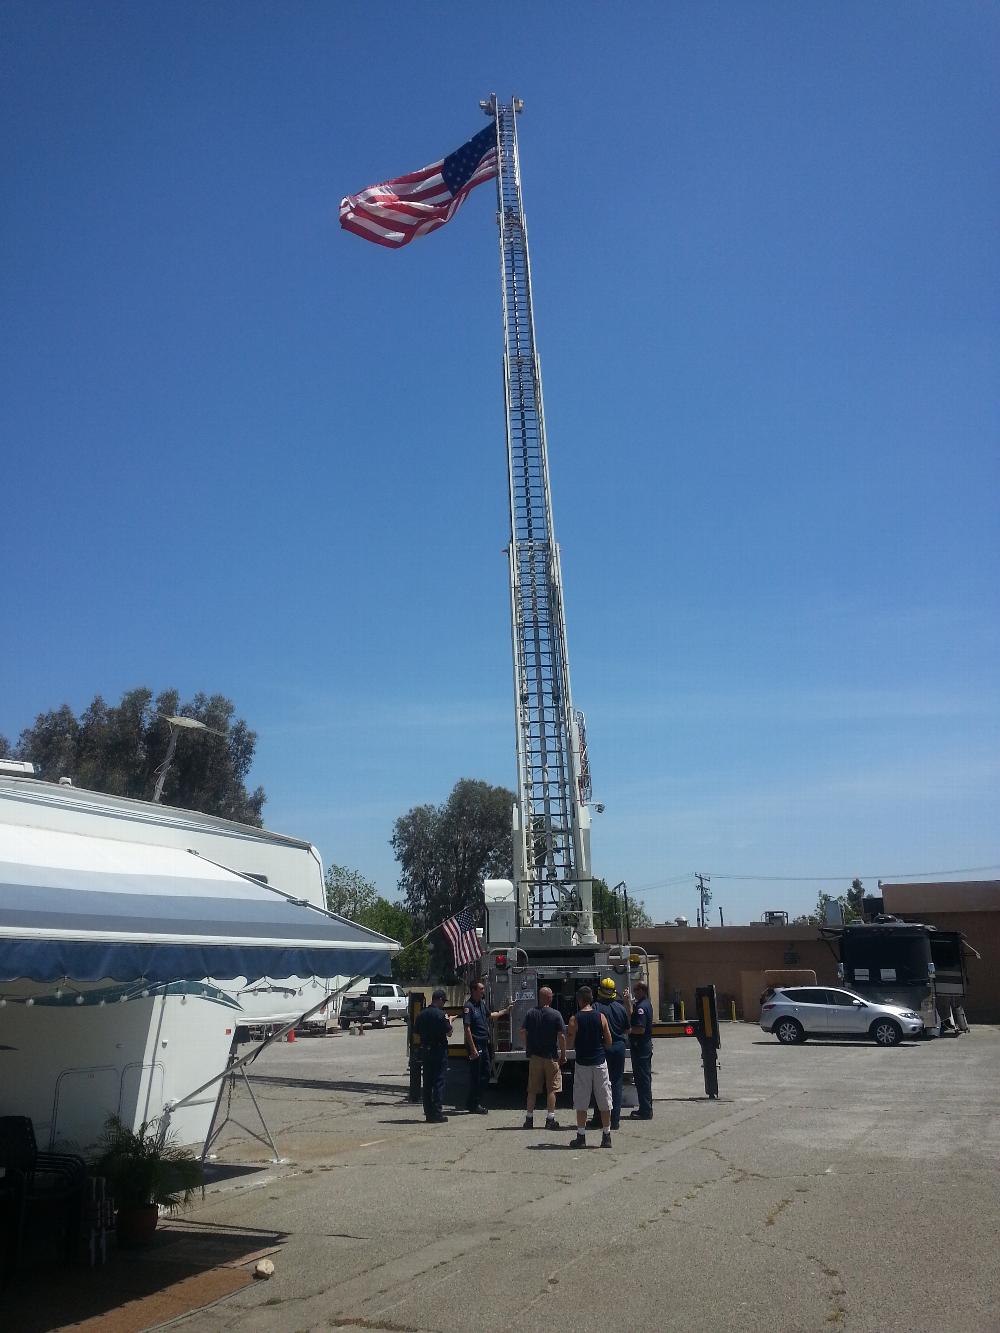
pixel 642 1072
pixel 479 1078
pixel 616 1072
pixel 435 1071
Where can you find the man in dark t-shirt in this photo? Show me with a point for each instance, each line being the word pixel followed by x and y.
pixel 544 1037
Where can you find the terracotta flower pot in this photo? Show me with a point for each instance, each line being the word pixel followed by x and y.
pixel 135 1225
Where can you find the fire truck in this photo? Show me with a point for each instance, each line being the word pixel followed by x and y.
pixel 539 924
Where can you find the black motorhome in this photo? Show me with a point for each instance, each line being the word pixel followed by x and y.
pixel 891 961
pixel 905 962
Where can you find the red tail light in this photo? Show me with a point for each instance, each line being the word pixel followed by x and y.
pixel 689 1031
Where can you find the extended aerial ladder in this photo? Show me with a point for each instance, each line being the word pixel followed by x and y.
pixel 540 930
pixel 551 818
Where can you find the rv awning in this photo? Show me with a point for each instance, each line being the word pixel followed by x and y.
pixel 89 908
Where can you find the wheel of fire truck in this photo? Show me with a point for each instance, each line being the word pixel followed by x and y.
pixel 789 1031
pixel 345 1023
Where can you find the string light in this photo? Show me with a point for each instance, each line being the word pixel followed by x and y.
pixel 66 991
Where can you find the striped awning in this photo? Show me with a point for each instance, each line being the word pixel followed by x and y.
pixel 88 908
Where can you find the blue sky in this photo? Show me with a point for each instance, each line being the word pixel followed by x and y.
pixel 246 452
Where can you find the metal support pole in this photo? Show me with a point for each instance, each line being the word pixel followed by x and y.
pixel 709 1037
pixel 165 766
pixel 238 1063
pixel 217 1130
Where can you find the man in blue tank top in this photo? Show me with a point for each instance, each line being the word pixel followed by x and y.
pixel 590 1037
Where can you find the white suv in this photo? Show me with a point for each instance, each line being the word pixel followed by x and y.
pixel 794 1013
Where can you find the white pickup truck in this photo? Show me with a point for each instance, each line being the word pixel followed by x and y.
pixel 380 1002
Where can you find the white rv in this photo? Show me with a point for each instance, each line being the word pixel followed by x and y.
pixel 113 915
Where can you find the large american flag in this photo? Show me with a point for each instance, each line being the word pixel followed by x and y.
pixel 396 212
pixel 461 932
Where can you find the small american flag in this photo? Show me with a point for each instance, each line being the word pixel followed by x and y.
pixel 461 932
pixel 396 212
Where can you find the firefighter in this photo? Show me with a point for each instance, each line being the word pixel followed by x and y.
pixel 477 1018
pixel 433 1027
pixel 641 1039
pixel 619 1021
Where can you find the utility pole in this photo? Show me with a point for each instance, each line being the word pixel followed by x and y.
pixel 704 897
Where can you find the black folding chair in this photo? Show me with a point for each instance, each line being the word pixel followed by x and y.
pixel 44 1179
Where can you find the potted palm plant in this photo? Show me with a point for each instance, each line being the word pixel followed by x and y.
pixel 144 1175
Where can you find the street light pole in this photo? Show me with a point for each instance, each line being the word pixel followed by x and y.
pixel 176 724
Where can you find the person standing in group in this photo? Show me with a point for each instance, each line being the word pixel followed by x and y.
pixel 433 1027
pixel 641 1037
pixel 477 1018
pixel 544 1037
pixel 619 1021
pixel 590 1037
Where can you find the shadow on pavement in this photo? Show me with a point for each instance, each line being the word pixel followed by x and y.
pixel 821 1043
pixel 215 1172
pixel 185 1266
pixel 325 1084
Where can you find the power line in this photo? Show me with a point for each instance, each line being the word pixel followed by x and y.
pixel 853 874
pixel 818 879
pixel 662 884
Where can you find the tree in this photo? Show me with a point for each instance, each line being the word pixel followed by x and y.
pixel 608 908
pixel 5 748
pixel 119 749
pixel 349 894
pixel 856 899
pixel 388 918
pixel 446 851
pixel 850 905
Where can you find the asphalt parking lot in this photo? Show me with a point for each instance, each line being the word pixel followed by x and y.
pixel 832 1186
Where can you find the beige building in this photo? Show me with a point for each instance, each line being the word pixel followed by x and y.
pixel 742 960
pixel 736 959
pixel 973 907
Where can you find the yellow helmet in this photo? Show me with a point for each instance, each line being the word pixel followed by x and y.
pixel 607 989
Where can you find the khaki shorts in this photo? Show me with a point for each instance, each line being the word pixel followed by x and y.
pixel 544 1075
